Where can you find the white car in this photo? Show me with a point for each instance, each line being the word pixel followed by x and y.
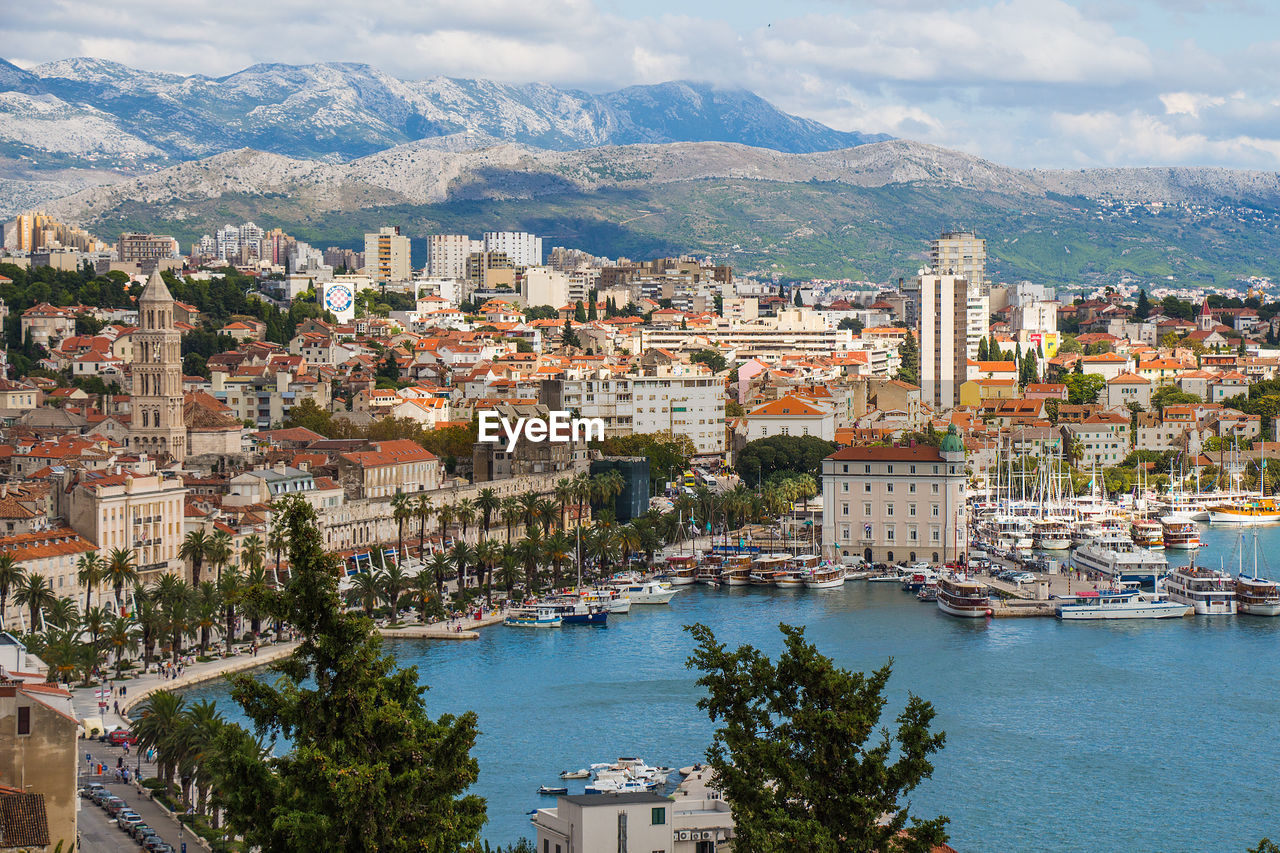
pixel 1025 577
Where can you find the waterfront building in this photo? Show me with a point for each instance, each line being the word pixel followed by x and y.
pixel 394 466
pixel 634 821
pixel 386 255
pixel 156 403
pixel 887 504
pixel 941 304
pixel 52 554
pixel 137 508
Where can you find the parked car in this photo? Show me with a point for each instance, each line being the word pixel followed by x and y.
pixel 119 737
pixel 1024 577
pixel 113 805
pixel 127 819
pixel 155 844
pixel 141 832
pixel 88 790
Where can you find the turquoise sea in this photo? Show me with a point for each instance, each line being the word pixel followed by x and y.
pixel 1101 737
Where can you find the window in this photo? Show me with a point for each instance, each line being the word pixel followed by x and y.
pixel 888 510
pixel 888 535
pixel 913 469
pixel 844 487
pixel 911 509
pixel 912 488
pixel 888 487
pixel 933 510
pixel 846 469
pixel 844 509
pixel 935 488
pixel 868 469
pixel 866 510
pixel 890 469
pixel 866 487
pixel 659 817
pixel 24 720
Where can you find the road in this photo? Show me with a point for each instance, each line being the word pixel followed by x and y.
pixel 97 835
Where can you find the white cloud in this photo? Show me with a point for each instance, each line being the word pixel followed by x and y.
pixel 1138 139
pixel 1189 103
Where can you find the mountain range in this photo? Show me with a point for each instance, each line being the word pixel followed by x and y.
pixel 330 151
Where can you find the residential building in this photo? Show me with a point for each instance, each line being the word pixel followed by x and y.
pixel 544 286
pixel 886 504
pixel 641 821
pixel 941 306
pixel 47 324
pixel 389 467
pixel 791 415
pixel 52 554
pixel 793 330
pixel 521 248
pixel 1128 388
pixel 139 509
pixel 142 248
pixel 447 255
pixel 38 765
pixel 961 254
pixel 1104 439
pixel 386 256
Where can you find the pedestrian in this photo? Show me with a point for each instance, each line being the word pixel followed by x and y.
pixel 116 705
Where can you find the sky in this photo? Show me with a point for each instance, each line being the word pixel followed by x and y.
pixel 1034 83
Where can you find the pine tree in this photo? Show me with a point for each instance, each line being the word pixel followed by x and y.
pixel 983 353
pixel 798 301
pixel 909 360
pixel 579 312
pixel 1143 311
pixel 591 308
pixel 570 337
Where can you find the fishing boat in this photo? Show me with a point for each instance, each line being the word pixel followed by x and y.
pixel 552 791
pixel 915 581
pixel 533 616
pixel 929 592
pixel 1117 604
pixel 1209 592
pixel 1147 533
pixel 647 592
pixel 825 576
pixel 959 596
pixel 1251 514
pixel 1180 532
pixel 681 571
pixel 584 773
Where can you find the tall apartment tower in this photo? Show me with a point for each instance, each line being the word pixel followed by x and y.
pixel 523 249
pixel 156 401
pixel 447 255
pixel 962 254
pixel 386 255
pixel 941 306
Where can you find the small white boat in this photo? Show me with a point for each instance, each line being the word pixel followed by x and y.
pixel 584 773
pixel 1118 604
pixel 828 576
pixel 533 617
pixel 647 592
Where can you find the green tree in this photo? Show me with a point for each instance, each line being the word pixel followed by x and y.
pixel 1083 387
pixel 800 755
pixel 711 359
pixel 570 337
pixel 1068 344
pixel 579 312
pixel 786 455
pixel 983 352
pixel 851 323
pixel 368 769
pixel 1143 310
pixel 909 360
pixel 1171 395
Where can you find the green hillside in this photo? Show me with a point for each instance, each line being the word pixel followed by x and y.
pixel 796 230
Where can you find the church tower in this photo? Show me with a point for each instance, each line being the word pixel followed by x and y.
pixel 156 401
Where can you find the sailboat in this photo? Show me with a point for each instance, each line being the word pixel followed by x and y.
pixel 1254 595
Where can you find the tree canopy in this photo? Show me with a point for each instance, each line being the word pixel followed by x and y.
pixel 368 769
pixel 783 454
pixel 909 360
pixel 800 756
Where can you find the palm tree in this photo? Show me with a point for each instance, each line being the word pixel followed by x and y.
pixel 509 560
pixel 422 509
pixel 120 570
pixel 364 591
pixel 529 551
pixel 95 622
pixel 121 634
pixel 465 512
pixel 421 591
pixel 278 543
pixel 401 511
pixel 230 589
pixel 11 576
pixel 155 727
pixel 221 550
pixel 630 540
pixel 174 596
pixel 63 612
pixel 88 573
pixel 510 510
pixel 254 593
pixel 558 549
pixel 394 581
pixel 63 652
pixel 564 493
pixel 603 547
pixel 208 612
pixel 528 509
pixel 546 512
pixel 195 549
pixel 150 624
pixel 487 553
pixel 35 592
pixel 444 514
pixel 462 555
pixel 582 492
pixel 199 730
pixel 439 569
pixel 487 503
pixel 253 554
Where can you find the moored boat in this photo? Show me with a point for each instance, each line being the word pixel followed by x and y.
pixel 1119 560
pixel 1210 592
pixel 1180 532
pixel 1257 596
pixel 553 791
pixel 533 616
pixel 1117 604
pixel 1147 533
pixel 682 570
pixel 960 596
pixel 574 611
pixel 1051 534
pixel 826 576
pixel 1251 513
pixel 736 572
pixel 647 592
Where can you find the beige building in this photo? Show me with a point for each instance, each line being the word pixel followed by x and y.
pixel 38 763
pixel 47 324
pixel 132 248
pixel 139 510
pixel 891 504
pixel 941 308
pixel 52 554
pixel 961 254
pixel 794 330
pixel 157 426
pixel 386 256
pixel 447 255
pixel 391 466
pixel 643 821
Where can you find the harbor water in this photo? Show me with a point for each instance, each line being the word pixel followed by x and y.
pixel 1099 736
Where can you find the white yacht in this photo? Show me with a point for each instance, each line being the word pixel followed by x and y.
pixel 1085 531
pixel 1118 604
pixel 1209 591
pixel 825 576
pixel 1117 558
pixel 647 592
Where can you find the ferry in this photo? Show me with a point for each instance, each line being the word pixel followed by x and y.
pixel 1051 534
pixel 681 571
pixel 825 576
pixel 1120 560
pixel 1180 532
pixel 958 596
pixel 1118 604
pixel 1209 591
pixel 1251 514
pixel 1147 533
pixel 1257 596
pixel 533 616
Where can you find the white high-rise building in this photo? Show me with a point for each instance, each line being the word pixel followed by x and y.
pixel 941 306
pixel 962 254
pixel 977 322
pixel 447 255
pixel 545 286
pixel 521 248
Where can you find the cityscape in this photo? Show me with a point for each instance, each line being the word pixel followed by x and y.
pixel 410 454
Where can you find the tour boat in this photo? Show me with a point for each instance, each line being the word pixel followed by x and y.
pixel 1085 532
pixel 766 568
pixel 791 579
pixel 1254 595
pixel 1051 534
pixel 681 571
pixel 647 592
pixel 575 611
pixel 736 571
pixel 959 596
pixel 534 616
pixel 826 576
pixel 1253 513
pixel 1118 604
pixel 709 570
pixel 1120 560
pixel 611 599
pixel 1147 533
pixel 1180 532
pixel 1209 591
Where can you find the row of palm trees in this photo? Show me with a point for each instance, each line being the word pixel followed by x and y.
pixel 183 737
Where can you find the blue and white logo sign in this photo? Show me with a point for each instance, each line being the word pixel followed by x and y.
pixel 338 298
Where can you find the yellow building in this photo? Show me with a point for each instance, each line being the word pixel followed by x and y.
pixel 973 392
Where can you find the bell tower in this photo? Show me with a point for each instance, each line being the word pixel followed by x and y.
pixel 156 400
